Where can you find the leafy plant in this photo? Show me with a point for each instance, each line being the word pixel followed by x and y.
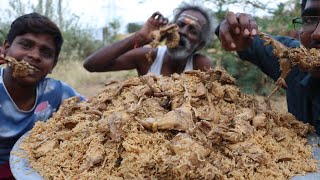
pixel 78 41
pixel 133 27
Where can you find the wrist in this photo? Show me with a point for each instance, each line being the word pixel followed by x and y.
pixel 135 41
pixel 144 36
pixel 139 40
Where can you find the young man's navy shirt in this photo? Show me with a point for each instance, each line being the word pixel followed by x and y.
pixel 303 92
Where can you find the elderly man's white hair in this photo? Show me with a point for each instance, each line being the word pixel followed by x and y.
pixel 208 29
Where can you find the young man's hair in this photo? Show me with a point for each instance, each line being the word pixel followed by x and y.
pixel 35 23
pixel 208 29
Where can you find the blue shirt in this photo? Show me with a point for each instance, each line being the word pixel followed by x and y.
pixel 15 122
pixel 303 93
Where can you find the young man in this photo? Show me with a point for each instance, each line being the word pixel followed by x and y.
pixel 237 32
pixel 195 30
pixel 27 99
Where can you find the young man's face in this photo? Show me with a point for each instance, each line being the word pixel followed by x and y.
pixel 190 29
pixel 38 50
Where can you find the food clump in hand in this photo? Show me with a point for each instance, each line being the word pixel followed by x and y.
pixel 306 59
pixel 168 32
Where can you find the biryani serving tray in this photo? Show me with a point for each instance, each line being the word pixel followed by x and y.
pixel 21 169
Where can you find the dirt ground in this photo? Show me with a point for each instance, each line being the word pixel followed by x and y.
pixel 91 90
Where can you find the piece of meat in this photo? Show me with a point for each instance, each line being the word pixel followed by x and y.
pixel 182 143
pixel 94 155
pixel 169 32
pixel 44 148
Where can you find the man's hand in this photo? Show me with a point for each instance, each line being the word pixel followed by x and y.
pixel 236 31
pixel 154 23
pixel 2 55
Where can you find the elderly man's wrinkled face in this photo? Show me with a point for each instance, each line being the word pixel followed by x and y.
pixel 311 38
pixel 190 29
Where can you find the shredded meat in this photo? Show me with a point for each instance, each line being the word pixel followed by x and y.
pixel 168 32
pixel 304 58
pixel 197 125
pixel 20 68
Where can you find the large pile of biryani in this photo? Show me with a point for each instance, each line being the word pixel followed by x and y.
pixel 191 126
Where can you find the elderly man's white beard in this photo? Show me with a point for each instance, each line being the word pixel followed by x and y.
pixel 183 51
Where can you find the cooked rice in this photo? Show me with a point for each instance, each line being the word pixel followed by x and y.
pixel 190 126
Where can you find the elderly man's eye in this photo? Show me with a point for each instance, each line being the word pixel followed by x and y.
pixel 194 32
pixel 180 24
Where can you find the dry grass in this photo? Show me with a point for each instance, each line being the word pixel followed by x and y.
pixel 86 83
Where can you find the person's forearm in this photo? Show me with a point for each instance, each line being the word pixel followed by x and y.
pixel 106 56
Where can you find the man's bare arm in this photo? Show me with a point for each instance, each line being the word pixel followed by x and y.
pixel 114 57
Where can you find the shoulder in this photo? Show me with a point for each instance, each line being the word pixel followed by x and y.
pixel 57 88
pixel 138 55
pixel 202 62
pixel 143 51
pixel 50 84
pixel 143 63
pixel 139 52
pixel 288 41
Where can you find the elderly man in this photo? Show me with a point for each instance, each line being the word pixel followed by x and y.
pixel 195 30
pixel 237 32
